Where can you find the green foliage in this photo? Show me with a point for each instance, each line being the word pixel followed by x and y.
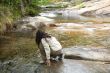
pixel 77 2
pixel 11 10
pixel 31 11
pixel 82 5
pixel 22 6
pixel 43 2
pixel 5 18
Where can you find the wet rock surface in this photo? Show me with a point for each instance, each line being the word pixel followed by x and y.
pixel 18 65
pixel 88 53
pixel 86 28
pixel 75 66
pixel 80 60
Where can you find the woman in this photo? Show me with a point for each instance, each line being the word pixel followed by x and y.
pixel 49 47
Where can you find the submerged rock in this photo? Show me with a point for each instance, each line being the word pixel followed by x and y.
pixel 18 65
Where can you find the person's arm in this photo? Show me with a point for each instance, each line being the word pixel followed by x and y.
pixel 46 48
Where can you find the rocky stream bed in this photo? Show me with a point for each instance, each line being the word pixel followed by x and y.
pixel 82 53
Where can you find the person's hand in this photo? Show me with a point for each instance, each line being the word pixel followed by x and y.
pixel 48 63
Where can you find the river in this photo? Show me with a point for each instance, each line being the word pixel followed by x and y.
pixel 19 52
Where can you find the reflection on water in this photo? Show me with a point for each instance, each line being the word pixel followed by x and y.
pixel 18 44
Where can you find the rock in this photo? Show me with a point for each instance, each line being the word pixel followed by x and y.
pixel 71 14
pixel 56 5
pixel 91 8
pixel 18 65
pixel 70 25
pixel 25 68
pixel 32 23
pixel 74 27
pixel 30 65
pixel 0 66
pixel 87 28
pixel 88 53
pixel 48 14
pixel 96 8
pixel 74 66
pixel 103 11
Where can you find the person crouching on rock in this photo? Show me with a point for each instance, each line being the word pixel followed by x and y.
pixel 49 46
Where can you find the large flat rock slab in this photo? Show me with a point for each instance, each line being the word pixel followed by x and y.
pixel 75 66
pixel 87 28
pixel 87 53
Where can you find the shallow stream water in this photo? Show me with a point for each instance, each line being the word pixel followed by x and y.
pixel 19 52
pixel 23 44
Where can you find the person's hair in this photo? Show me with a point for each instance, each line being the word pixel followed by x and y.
pixel 40 34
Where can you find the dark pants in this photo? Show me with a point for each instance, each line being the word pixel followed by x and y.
pixel 58 54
